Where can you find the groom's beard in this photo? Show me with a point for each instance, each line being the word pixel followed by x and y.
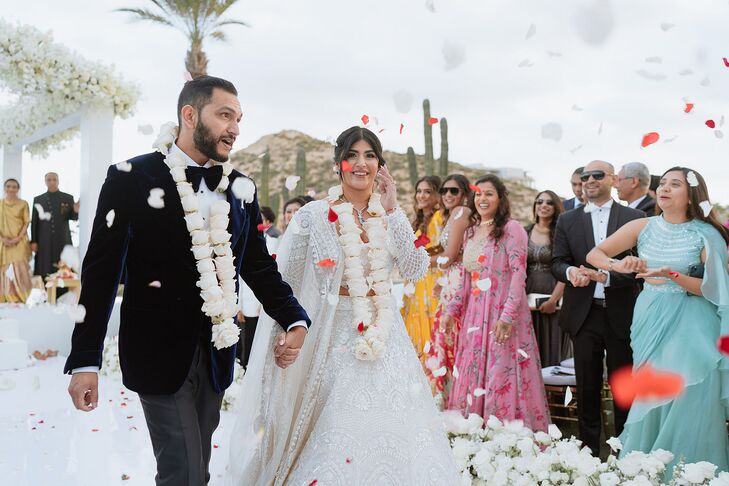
pixel 206 143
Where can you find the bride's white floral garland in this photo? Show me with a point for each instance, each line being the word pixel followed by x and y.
pixel 211 247
pixel 372 332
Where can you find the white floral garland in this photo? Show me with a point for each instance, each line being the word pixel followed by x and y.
pixel 373 333
pixel 50 82
pixel 211 248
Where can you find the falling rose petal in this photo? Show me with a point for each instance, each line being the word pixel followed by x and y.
pixel 721 121
pixel 654 59
pixel 455 372
pixel 332 216
pixel 454 54
pixel 484 284
pixel 244 189
pixel 723 344
pixel 522 353
pixel 718 134
pixel 650 76
pixel 440 372
pixel 706 82
pixel 432 121
pixel 469 399
pixel 422 240
pixel 481 258
pixel 599 129
pixel 311 193
pixel 145 129
pixel 365 119
pixel 346 166
pixel 474 188
pixel 472 329
pixel 476 291
pixel 726 61
pixel 458 214
pixel 77 313
pixel 381 130
pixel 124 166
pixel 348 461
pixel 273 255
pixel 409 289
pixel 426 347
pixel 431 363
pixel 706 207
pixel 430 5
pixel 155 198
pixel 685 72
pixel 155 284
pixel 479 392
pixel 216 446
pixel 710 123
pixel 567 396
pixel 475 275
pixel 669 140
pixel 649 139
pixel 689 107
pixel 94 430
pixel 401 127
pixel 442 281
pixel 594 22
pixel 530 33
pixel 691 178
pixel 326 263
pixel 262 227
pixel 125 477
pixel 554 54
pixel 291 182
pixel 403 101
pixel 645 384
pixel 552 131
pixel 665 27
pixel 186 76
pixel 442 260
pixel 577 108
pixel 526 63
pixel 110 218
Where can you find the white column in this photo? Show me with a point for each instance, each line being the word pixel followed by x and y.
pixel 96 143
pixel 13 162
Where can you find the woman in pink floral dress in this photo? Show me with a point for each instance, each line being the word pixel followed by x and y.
pixel 497 369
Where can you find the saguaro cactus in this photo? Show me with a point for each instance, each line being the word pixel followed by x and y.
pixel 412 167
pixel 301 170
pixel 428 129
pixel 443 169
pixel 264 196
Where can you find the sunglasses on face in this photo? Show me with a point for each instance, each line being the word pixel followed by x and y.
pixel 453 190
pixel 548 202
pixel 598 175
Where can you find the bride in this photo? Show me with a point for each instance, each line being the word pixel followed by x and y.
pixel 355 406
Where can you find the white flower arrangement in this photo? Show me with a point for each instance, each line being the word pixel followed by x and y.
pixel 50 81
pixel 504 453
pixel 373 332
pixel 211 248
pixel 233 390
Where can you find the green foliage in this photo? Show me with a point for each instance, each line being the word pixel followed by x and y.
pixel 412 167
pixel 428 130
pixel 301 170
pixel 443 167
pixel 264 184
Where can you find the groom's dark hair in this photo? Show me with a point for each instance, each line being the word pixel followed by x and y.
pixel 198 92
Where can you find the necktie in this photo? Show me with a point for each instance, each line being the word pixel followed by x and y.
pixel 212 176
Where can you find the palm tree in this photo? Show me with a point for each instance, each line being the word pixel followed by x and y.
pixel 197 19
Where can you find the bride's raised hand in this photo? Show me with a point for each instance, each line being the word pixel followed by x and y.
pixel 387 188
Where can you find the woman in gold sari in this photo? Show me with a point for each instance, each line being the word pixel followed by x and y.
pixel 420 304
pixel 15 282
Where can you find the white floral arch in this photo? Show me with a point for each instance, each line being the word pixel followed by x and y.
pixel 56 94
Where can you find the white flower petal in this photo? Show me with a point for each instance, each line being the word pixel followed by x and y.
pixel 155 199
pixel 110 218
pixel 124 166
pixel 244 189
pixel 291 182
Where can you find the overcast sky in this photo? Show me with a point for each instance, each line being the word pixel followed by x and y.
pixel 605 72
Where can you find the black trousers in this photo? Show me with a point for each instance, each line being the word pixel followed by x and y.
pixel 245 342
pixel 594 338
pixel 181 426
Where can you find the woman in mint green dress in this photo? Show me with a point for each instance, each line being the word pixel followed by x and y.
pixel 677 320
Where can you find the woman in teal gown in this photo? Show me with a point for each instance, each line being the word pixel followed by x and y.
pixel 678 318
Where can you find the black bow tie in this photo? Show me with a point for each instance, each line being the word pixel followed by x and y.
pixel 212 176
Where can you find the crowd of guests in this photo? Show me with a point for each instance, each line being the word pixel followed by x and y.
pixel 609 284
pixel 49 234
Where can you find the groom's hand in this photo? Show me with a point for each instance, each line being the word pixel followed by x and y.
pixel 84 390
pixel 288 346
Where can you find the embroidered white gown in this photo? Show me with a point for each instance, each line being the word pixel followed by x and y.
pixel 330 417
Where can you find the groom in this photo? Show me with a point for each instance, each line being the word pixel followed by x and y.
pixel 165 346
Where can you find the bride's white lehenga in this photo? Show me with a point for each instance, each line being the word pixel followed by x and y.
pixel 330 417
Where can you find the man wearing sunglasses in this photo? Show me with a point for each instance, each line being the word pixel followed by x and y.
pixel 597 307
pixel 576 182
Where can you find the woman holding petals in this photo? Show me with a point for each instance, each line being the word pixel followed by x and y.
pixel 497 369
pixel 354 407
pixel 458 210
pixel 420 302
pixel 678 318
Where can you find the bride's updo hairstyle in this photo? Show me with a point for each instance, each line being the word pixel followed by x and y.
pixel 351 136
pixel 697 195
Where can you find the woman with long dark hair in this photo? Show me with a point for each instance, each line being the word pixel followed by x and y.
pixel 457 198
pixel 678 318
pixel 354 407
pixel 554 345
pixel 420 305
pixel 499 372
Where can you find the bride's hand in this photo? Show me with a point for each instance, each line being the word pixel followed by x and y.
pixel 387 188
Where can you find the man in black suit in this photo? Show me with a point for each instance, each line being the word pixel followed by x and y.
pixel 632 183
pixel 165 335
pixel 579 198
pixel 597 309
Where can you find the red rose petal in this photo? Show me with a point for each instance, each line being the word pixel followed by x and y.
pixel 422 241
pixel 348 461
pixel 94 430
pixel 381 130
pixel 365 119
pixel 327 262
pixel 273 255
pixel 432 121
pixel 332 216
pixel 474 188
pixel 360 327
pixel 723 344
pixel 401 127
pixel 215 446
pixel 346 166
pixel 710 124
pixel 130 416
pixel 689 107
pixel 645 384
pixel 481 258
pixel 313 483
pixel 476 291
pixel 263 227
pixel 649 139
pixel 726 61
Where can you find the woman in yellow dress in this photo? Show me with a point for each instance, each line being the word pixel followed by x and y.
pixel 15 282
pixel 420 304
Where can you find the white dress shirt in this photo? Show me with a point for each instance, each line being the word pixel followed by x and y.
pixel 600 217
pixel 205 198
pixel 637 202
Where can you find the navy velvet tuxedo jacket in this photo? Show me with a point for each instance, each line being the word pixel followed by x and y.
pixel 161 327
